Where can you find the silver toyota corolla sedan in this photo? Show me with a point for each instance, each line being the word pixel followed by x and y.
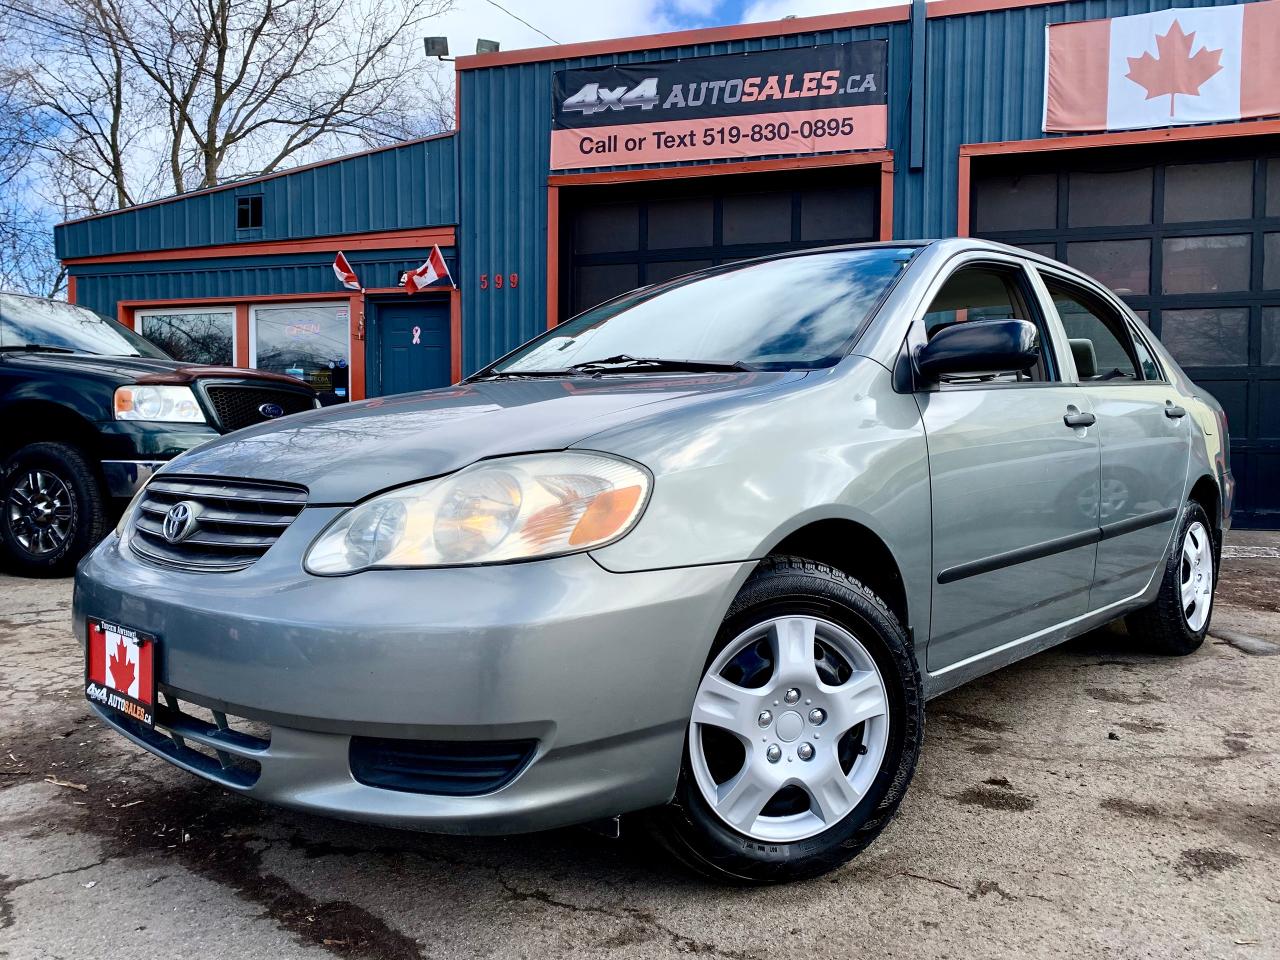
pixel 699 554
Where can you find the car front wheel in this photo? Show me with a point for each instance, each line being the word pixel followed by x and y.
pixel 53 509
pixel 805 730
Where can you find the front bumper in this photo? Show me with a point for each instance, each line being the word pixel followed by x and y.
pixel 599 668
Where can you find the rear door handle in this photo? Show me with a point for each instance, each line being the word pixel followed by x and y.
pixel 1173 411
pixel 1078 419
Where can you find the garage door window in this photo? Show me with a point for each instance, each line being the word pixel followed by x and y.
pixel 204 335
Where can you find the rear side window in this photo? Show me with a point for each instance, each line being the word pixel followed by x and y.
pixel 1146 359
pixel 987 293
pixel 1100 343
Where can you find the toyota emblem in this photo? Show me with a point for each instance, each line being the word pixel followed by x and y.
pixel 181 521
pixel 271 410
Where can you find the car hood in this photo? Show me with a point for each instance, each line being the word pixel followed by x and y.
pixel 125 370
pixel 344 453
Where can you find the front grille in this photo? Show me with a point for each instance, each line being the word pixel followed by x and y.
pixel 220 746
pixel 236 521
pixel 451 768
pixel 238 406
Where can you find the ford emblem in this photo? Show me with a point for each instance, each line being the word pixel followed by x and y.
pixel 181 521
pixel 271 410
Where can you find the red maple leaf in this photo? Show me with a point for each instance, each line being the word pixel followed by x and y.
pixel 1175 71
pixel 121 667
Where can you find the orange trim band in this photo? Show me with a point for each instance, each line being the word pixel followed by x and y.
pixel 388 240
pixel 71 289
pixel 686 38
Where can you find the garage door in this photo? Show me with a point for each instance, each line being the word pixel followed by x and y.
pixel 620 238
pixel 1191 239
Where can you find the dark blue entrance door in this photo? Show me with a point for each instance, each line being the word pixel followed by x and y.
pixel 413 345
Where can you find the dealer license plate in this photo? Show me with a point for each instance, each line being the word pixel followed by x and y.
pixel 119 671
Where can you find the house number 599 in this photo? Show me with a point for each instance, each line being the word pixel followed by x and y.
pixel 499 280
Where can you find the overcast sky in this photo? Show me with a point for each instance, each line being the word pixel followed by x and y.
pixel 568 21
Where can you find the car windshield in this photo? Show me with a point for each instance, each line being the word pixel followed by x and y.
pixel 30 323
pixel 790 312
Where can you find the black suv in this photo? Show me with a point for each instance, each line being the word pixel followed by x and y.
pixel 88 411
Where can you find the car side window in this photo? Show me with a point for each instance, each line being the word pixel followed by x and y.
pixel 1100 343
pixel 1146 359
pixel 987 293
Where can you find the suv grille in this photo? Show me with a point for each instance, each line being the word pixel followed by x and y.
pixel 238 406
pixel 236 521
pixel 452 768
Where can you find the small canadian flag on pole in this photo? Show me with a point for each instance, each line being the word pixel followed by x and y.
pixel 430 273
pixel 346 276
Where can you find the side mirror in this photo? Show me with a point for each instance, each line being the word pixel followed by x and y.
pixel 980 348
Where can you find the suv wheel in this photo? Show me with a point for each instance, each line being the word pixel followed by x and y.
pixel 805 730
pixel 54 510
pixel 1177 621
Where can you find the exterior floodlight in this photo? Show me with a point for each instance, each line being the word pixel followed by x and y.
pixel 486 46
pixel 436 47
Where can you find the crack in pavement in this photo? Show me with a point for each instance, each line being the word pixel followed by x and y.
pixel 679 940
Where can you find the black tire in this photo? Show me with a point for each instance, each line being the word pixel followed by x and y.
pixel 688 827
pixel 1162 626
pixel 84 507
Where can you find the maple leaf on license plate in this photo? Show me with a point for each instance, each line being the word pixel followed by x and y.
pixel 119 669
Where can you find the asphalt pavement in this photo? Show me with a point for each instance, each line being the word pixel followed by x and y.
pixel 1091 801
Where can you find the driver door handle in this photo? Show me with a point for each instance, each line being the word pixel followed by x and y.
pixel 1172 411
pixel 1077 419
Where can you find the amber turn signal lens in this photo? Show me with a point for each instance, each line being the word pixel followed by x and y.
pixel 609 512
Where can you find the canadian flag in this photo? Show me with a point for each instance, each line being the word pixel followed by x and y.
pixel 346 276
pixel 431 272
pixel 119 662
pixel 1185 65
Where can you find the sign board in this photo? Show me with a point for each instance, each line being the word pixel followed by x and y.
pixel 808 100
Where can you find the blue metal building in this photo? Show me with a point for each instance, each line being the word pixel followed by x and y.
pixel 1183 220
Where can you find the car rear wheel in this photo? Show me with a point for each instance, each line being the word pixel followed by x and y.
pixel 54 510
pixel 1177 621
pixel 805 730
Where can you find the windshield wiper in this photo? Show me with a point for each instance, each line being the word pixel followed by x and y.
pixel 622 362
pixel 625 361
pixel 34 348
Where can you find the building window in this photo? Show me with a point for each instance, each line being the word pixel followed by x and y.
pixel 249 213
pixel 309 341
pixel 197 335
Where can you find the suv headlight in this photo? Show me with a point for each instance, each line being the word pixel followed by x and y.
pixel 512 508
pixel 158 404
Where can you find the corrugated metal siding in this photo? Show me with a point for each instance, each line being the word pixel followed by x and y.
pixel 412 185
pixel 101 287
pixel 984 81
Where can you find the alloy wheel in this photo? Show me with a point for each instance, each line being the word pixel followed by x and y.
pixel 39 511
pixel 790 727
pixel 1197 576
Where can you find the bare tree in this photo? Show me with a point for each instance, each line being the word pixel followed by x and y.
pixel 142 98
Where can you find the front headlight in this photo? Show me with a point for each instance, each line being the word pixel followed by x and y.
pixel 513 508
pixel 158 404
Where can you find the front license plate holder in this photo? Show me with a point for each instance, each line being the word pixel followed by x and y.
pixel 119 669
